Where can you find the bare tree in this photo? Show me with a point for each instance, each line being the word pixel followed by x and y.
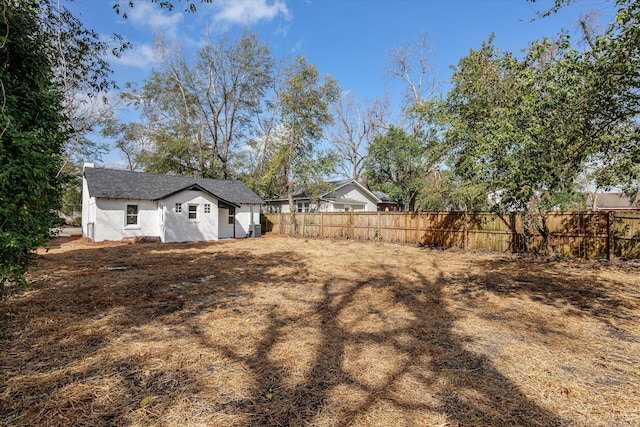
pixel 354 130
pixel 82 75
pixel 200 110
pixel 410 63
pixel 268 120
pixel 130 139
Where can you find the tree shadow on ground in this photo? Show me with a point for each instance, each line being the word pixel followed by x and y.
pixel 365 364
pixel 59 332
pixel 227 337
pixel 555 285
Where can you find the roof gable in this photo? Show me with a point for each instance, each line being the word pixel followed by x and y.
pixel 337 185
pixel 118 184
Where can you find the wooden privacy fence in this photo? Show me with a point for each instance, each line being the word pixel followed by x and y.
pixel 574 234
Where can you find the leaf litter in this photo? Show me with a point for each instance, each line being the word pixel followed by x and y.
pixel 294 332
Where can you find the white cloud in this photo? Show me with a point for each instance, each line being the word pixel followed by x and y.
pixel 151 16
pixel 297 47
pixel 247 12
pixel 282 31
pixel 141 56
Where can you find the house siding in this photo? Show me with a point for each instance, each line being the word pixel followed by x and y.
pixel 282 205
pixel 88 211
pixel 244 219
pixel 177 225
pixel 110 219
pixel 351 191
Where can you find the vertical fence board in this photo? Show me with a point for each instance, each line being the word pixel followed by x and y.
pixel 626 234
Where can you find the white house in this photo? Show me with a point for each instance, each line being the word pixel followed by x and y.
pixel 346 195
pixel 120 204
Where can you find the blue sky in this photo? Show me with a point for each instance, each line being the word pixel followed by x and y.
pixel 348 39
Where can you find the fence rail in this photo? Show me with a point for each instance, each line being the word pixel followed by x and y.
pixel 574 234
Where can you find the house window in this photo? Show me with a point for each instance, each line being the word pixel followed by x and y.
pixel 178 207
pixel 193 211
pixel 232 215
pixel 303 207
pixel 132 214
pixel 207 208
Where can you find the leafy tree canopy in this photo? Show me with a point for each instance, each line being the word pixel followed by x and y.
pixel 31 138
pixel 304 112
pixel 398 165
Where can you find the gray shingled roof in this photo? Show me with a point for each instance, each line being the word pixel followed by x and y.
pixel 384 197
pixel 614 201
pixel 118 184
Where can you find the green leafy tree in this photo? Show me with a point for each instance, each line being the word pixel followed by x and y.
pixel 399 164
pixel 304 112
pixel 609 65
pixel 71 201
pixel 129 138
pixel 523 128
pixel 31 137
pixel 425 186
pixel 612 62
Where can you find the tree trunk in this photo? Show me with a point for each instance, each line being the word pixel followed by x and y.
pixel 543 229
pixel 292 209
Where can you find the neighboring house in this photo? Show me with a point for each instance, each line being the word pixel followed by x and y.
pixel 120 204
pixel 614 202
pixel 345 196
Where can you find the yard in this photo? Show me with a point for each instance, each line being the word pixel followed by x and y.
pixel 280 331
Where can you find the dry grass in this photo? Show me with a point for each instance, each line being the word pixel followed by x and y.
pixel 292 332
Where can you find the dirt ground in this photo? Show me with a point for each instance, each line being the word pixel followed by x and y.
pixel 292 332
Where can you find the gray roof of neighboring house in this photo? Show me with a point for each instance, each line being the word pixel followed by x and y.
pixel 119 184
pixel 384 197
pixel 614 201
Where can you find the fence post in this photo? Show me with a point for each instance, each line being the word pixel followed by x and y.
pixel 610 236
pixel 321 225
pixel 404 227
pixel 465 231
pixel 282 215
pixel 353 225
